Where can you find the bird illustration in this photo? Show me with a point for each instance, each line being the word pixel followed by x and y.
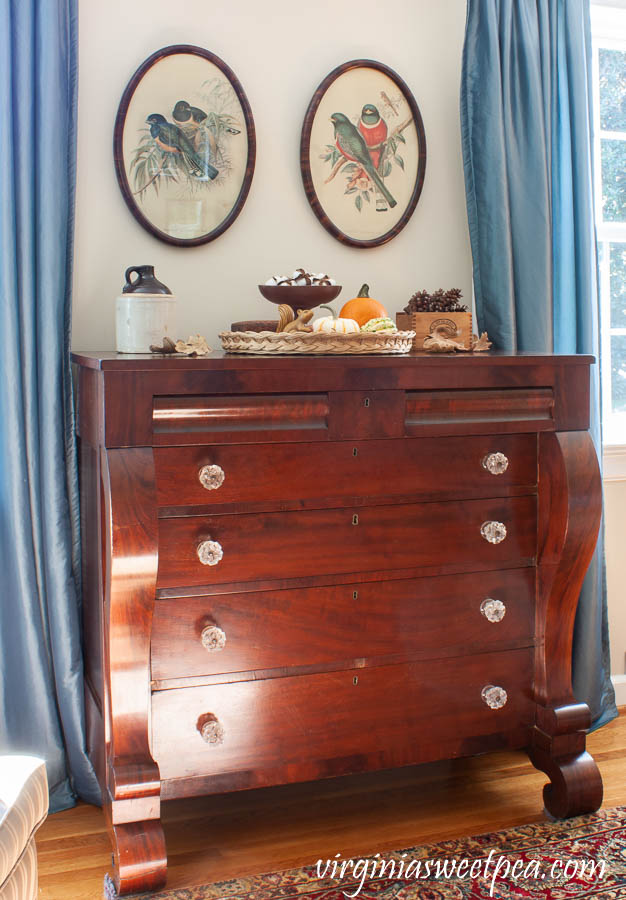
pixel 190 119
pixel 184 113
pixel 374 130
pixel 171 138
pixel 351 144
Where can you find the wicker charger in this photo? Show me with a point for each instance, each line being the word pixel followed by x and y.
pixel 316 342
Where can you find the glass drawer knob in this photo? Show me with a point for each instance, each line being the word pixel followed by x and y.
pixel 496 463
pixel 211 477
pixel 495 697
pixel 209 552
pixel 213 638
pixel 211 729
pixel 494 532
pixel 493 610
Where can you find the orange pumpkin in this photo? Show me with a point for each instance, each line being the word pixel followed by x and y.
pixel 362 308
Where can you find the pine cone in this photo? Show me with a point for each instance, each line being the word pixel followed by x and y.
pixel 439 301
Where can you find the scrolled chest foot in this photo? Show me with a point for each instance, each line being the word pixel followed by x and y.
pixel 575 786
pixel 139 859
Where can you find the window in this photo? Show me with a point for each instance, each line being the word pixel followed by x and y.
pixel 609 68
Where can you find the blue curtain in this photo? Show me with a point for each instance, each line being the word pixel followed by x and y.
pixel 527 150
pixel 41 689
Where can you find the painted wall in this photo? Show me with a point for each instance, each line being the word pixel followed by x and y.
pixel 280 51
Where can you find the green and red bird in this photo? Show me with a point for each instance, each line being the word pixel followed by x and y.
pixel 351 144
pixel 374 130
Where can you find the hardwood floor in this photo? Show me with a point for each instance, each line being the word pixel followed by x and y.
pixel 215 838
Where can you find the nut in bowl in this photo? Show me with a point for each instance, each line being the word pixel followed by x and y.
pixel 301 290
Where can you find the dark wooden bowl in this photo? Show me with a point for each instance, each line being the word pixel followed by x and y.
pixel 257 325
pixel 305 297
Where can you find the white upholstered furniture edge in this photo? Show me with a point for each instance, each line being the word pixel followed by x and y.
pixel 23 808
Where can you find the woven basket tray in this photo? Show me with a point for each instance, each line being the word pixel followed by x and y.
pixel 316 342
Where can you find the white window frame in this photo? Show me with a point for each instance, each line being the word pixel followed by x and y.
pixel 608 23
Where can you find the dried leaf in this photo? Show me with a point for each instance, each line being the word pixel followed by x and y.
pixel 168 346
pixel 480 343
pixel 195 345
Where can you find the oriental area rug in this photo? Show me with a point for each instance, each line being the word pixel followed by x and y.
pixel 579 858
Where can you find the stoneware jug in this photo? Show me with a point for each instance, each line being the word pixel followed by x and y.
pixel 145 312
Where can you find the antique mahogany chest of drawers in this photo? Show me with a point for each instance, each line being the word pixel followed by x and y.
pixel 297 568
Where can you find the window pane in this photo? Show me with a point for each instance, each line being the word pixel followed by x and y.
pixel 618 372
pixel 612 89
pixel 617 268
pixel 614 181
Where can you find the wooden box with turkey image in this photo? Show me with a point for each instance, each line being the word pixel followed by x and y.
pixel 454 325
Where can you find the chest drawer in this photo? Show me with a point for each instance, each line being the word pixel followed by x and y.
pixel 228 633
pixel 408 467
pixel 275 417
pixel 348 414
pixel 282 545
pixel 339 722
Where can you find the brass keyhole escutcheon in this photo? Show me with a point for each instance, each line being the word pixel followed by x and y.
pixel 355 595
pixel 355 680
pixel 366 402
pixel 355 519
pixel 355 451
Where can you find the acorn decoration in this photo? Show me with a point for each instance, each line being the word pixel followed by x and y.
pixel 439 301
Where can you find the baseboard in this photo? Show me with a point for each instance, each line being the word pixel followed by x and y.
pixel 619 683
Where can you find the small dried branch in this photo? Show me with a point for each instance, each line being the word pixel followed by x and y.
pixel 154 177
pixel 340 162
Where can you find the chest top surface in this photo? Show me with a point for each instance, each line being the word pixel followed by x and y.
pixel 142 400
pixel 110 360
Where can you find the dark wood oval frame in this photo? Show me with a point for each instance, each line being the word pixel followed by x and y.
pixel 305 166
pixel 118 154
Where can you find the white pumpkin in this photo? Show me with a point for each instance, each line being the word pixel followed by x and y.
pixel 333 324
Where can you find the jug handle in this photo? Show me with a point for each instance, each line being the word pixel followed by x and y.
pixel 128 273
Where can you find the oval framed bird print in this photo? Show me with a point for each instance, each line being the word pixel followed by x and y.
pixel 184 145
pixel 363 153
